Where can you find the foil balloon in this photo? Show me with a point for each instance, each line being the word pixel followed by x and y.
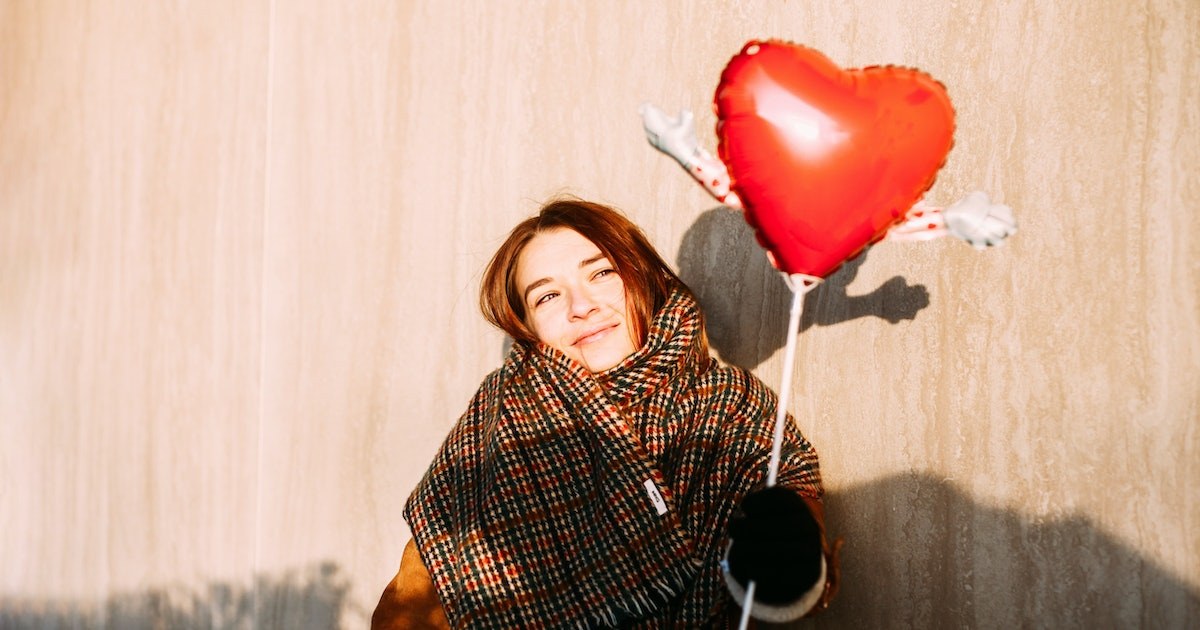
pixel 825 160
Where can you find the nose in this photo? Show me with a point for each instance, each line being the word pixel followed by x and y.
pixel 583 304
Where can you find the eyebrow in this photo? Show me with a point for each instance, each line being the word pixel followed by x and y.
pixel 583 263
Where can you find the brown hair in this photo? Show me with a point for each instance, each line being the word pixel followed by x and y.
pixel 648 280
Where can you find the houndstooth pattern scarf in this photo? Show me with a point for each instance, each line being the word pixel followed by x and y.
pixel 566 499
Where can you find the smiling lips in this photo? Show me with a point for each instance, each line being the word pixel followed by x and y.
pixel 595 334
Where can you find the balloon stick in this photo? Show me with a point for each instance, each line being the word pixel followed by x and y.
pixel 800 284
pixel 745 621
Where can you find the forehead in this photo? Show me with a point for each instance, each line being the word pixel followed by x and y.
pixel 553 253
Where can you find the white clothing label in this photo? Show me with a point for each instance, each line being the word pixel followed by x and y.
pixel 655 497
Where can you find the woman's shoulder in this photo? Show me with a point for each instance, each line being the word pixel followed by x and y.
pixel 731 381
pixel 732 374
pixel 488 389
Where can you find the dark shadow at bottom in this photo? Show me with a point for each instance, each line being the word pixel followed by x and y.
pixel 314 598
pixel 920 553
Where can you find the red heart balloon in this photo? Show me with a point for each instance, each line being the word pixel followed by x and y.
pixel 825 160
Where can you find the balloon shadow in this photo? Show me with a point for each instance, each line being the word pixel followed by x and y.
pixel 746 302
pixel 921 553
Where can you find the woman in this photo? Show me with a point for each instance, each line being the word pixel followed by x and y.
pixel 599 476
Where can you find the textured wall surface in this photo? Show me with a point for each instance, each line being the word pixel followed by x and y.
pixel 240 244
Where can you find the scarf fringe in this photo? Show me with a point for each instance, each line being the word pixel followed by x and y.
pixel 661 590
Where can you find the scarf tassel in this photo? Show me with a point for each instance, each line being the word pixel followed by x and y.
pixel 643 602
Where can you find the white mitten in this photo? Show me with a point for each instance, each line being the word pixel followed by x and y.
pixel 675 136
pixel 978 221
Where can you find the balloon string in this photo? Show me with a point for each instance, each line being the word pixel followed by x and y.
pixel 800 284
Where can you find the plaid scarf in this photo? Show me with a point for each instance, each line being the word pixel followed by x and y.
pixel 566 499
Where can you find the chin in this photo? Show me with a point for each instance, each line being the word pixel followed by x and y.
pixel 601 366
pixel 600 359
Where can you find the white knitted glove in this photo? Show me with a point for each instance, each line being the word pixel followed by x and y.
pixel 978 221
pixel 675 136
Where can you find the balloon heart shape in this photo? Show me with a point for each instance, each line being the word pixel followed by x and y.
pixel 825 160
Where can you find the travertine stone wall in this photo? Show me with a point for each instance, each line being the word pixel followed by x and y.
pixel 240 244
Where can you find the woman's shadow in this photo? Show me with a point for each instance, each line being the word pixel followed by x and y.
pixel 746 302
pixel 920 552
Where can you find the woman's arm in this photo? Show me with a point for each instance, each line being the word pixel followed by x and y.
pixel 410 600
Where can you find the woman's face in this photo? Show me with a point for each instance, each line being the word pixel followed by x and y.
pixel 574 299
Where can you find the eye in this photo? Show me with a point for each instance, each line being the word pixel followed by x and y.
pixel 603 273
pixel 545 298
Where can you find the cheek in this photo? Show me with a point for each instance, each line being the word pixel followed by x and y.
pixel 544 327
pixel 615 295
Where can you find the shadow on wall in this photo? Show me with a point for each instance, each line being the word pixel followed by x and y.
pixel 312 598
pixel 920 553
pixel 746 303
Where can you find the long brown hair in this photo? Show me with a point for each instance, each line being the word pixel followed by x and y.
pixel 648 280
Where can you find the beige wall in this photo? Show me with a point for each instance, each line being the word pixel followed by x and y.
pixel 240 243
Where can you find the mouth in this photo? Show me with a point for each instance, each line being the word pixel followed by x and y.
pixel 594 335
